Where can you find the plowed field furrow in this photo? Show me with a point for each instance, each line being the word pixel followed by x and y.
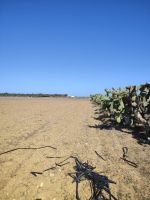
pixel 68 125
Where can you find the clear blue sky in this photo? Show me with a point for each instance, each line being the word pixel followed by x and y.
pixel 77 47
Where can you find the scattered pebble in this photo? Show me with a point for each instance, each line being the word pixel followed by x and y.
pixel 51 175
pixel 41 185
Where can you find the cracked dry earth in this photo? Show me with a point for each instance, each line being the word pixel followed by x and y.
pixel 65 124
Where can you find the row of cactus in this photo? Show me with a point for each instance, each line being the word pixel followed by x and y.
pixel 127 107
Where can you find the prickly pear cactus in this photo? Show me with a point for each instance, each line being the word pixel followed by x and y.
pixel 128 107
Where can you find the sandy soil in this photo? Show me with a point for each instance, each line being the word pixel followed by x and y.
pixel 64 124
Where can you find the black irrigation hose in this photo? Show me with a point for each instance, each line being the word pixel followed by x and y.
pixel 51 168
pixel 60 164
pixel 84 171
pixel 27 148
pixel 99 155
pixel 64 160
pixel 125 155
pixel 133 164
pixel 98 182
pixel 35 173
pixel 125 152
pixel 53 157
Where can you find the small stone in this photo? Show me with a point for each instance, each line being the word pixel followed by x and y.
pixel 51 175
pixel 41 185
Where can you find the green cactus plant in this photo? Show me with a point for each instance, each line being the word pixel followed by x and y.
pixel 128 107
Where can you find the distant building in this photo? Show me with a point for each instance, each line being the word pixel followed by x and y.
pixel 71 96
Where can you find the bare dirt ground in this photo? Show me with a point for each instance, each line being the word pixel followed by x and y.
pixel 64 124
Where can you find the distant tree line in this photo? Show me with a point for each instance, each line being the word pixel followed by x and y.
pixel 5 94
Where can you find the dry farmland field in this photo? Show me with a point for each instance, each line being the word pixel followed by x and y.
pixel 69 125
